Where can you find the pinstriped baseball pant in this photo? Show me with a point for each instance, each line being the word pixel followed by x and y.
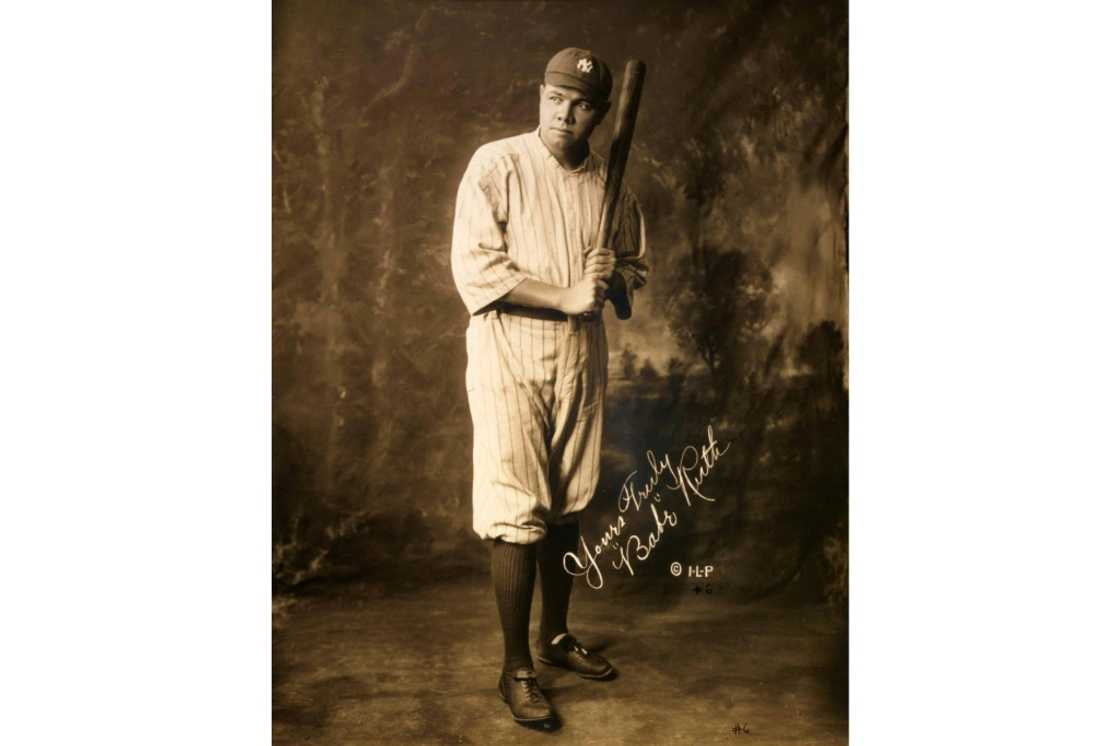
pixel 536 398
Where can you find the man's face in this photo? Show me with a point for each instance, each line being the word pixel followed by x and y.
pixel 567 117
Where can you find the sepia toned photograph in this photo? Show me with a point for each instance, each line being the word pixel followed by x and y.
pixel 559 372
pixel 516 372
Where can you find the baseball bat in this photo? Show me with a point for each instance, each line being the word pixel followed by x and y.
pixel 624 122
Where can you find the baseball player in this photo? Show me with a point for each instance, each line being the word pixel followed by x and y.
pixel 525 217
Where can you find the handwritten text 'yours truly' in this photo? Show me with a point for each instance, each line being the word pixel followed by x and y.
pixel 686 475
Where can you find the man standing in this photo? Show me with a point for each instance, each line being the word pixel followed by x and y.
pixel 526 216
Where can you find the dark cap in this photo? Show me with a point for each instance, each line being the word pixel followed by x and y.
pixel 579 69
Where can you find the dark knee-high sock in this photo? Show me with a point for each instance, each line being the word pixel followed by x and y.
pixel 556 583
pixel 513 572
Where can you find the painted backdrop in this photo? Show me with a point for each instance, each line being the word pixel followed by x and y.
pixel 740 163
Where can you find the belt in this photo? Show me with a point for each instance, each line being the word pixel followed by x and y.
pixel 548 314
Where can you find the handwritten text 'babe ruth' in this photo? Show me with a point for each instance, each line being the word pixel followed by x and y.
pixel 686 476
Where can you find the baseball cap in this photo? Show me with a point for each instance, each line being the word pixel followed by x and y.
pixel 580 69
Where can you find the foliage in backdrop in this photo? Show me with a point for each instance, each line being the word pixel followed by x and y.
pixel 740 163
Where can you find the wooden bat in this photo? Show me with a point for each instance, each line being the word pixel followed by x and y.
pixel 624 122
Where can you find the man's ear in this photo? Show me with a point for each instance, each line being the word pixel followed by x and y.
pixel 601 112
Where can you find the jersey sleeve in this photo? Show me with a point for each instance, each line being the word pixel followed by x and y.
pixel 480 261
pixel 631 251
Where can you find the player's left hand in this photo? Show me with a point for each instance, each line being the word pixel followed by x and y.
pixel 599 263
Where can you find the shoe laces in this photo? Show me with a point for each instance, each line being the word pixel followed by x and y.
pixel 571 643
pixel 531 688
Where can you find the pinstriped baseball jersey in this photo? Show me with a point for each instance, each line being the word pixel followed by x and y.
pixel 535 390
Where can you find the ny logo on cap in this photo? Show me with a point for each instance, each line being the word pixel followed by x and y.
pixel 585 65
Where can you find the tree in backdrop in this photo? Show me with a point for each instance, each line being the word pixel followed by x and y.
pixel 821 440
pixel 629 362
pixel 648 372
pixel 721 310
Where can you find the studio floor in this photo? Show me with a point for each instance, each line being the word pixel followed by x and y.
pixel 360 664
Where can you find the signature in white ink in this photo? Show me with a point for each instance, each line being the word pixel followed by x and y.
pixel 588 567
pixel 634 542
pixel 686 476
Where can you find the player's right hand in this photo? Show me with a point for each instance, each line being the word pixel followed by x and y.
pixel 586 296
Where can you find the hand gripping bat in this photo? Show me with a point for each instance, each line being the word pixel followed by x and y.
pixel 624 122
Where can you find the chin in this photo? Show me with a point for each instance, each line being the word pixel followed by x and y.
pixel 567 138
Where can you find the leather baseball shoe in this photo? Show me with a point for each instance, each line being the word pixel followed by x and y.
pixel 528 705
pixel 568 653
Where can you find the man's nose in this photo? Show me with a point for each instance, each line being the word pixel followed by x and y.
pixel 564 112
